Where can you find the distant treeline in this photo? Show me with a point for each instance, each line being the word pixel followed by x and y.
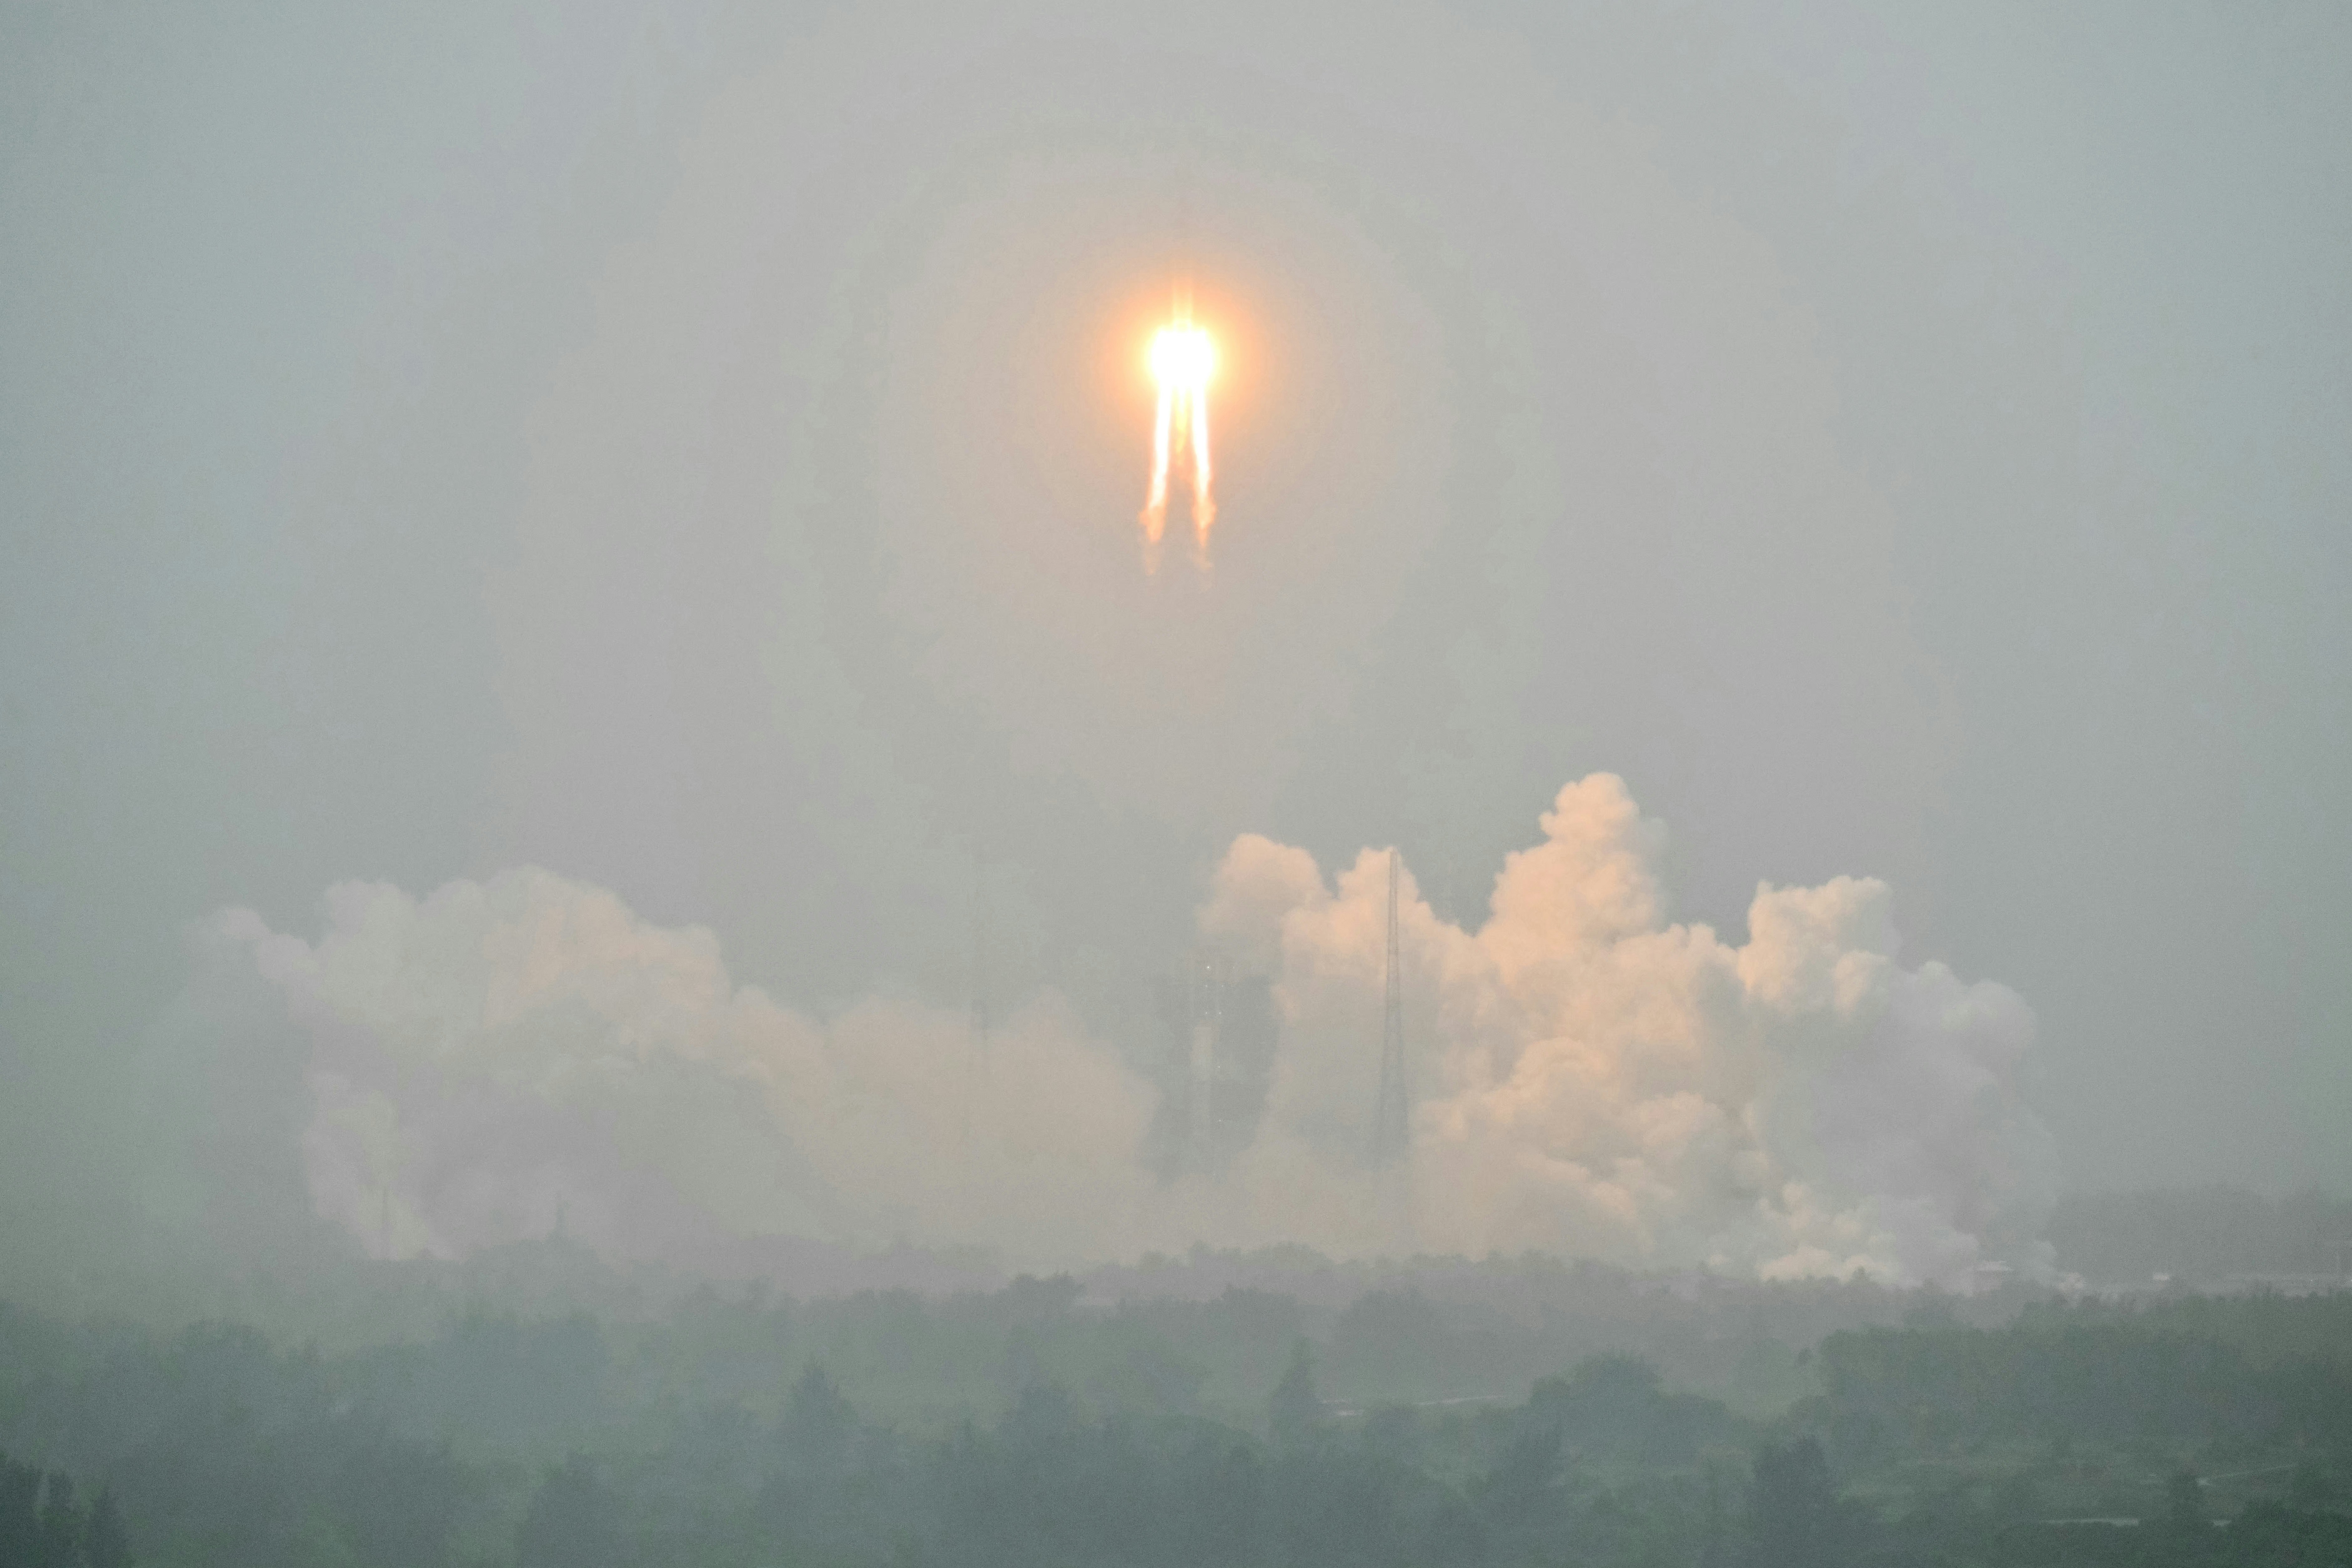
pixel 2212 1375
pixel 45 1524
pixel 1508 1318
pixel 1201 1333
pixel 2204 1235
pixel 751 1431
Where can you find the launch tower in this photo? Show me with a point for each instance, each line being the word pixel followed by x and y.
pixel 1218 1031
pixel 1391 1139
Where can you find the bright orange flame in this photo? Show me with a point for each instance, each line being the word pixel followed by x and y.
pixel 1184 359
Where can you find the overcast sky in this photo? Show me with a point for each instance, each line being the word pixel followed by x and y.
pixel 696 448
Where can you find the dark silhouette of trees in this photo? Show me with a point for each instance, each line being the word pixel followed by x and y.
pixel 573 1522
pixel 20 1514
pixel 1218 1505
pixel 43 1524
pixel 1294 1412
pixel 1793 1517
pixel 817 1422
pixel 1520 1499
pixel 2253 1371
pixel 635 1442
pixel 63 1524
pixel 2184 1504
pixel 106 1544
pixel 1617 1404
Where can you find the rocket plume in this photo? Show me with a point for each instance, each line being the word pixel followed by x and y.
pixel 1182 360
pixel 478 1067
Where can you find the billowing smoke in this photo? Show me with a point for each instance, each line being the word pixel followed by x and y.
pixel 524 1056
pixel 1597 1081
pixel 515 1057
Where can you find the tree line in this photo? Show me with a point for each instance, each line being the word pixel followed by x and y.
pixel 2222 1429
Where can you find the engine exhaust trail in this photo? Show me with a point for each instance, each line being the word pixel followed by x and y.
pixel 1184 359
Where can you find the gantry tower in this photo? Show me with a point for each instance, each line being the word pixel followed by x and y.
pixel 1391 1142
pixel 980 1020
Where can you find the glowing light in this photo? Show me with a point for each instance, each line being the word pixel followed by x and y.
pixel 1184 359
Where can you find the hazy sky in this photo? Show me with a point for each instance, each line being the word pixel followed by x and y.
pixel 696 448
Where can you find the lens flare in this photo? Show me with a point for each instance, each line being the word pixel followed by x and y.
pixel 1184 359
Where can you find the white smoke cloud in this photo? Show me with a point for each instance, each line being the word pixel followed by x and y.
pixel 1592 1080
pixel 504 1059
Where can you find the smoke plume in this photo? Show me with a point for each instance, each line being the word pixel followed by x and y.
pixel 522 1055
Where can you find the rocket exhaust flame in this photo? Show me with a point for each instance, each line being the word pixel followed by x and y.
pixel 1182 360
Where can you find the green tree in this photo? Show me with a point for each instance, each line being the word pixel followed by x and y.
pixel 573 1521
pixel 1518 1492
pixel 62 1522
pixel 20 1516
pixel 817 1421
pixel 1218 1489
pixel 1294 1413
pixel 1794 1520
pixel 107 1544
pixel 2184 1504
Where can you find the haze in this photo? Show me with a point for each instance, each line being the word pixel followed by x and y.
pixel 675 474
